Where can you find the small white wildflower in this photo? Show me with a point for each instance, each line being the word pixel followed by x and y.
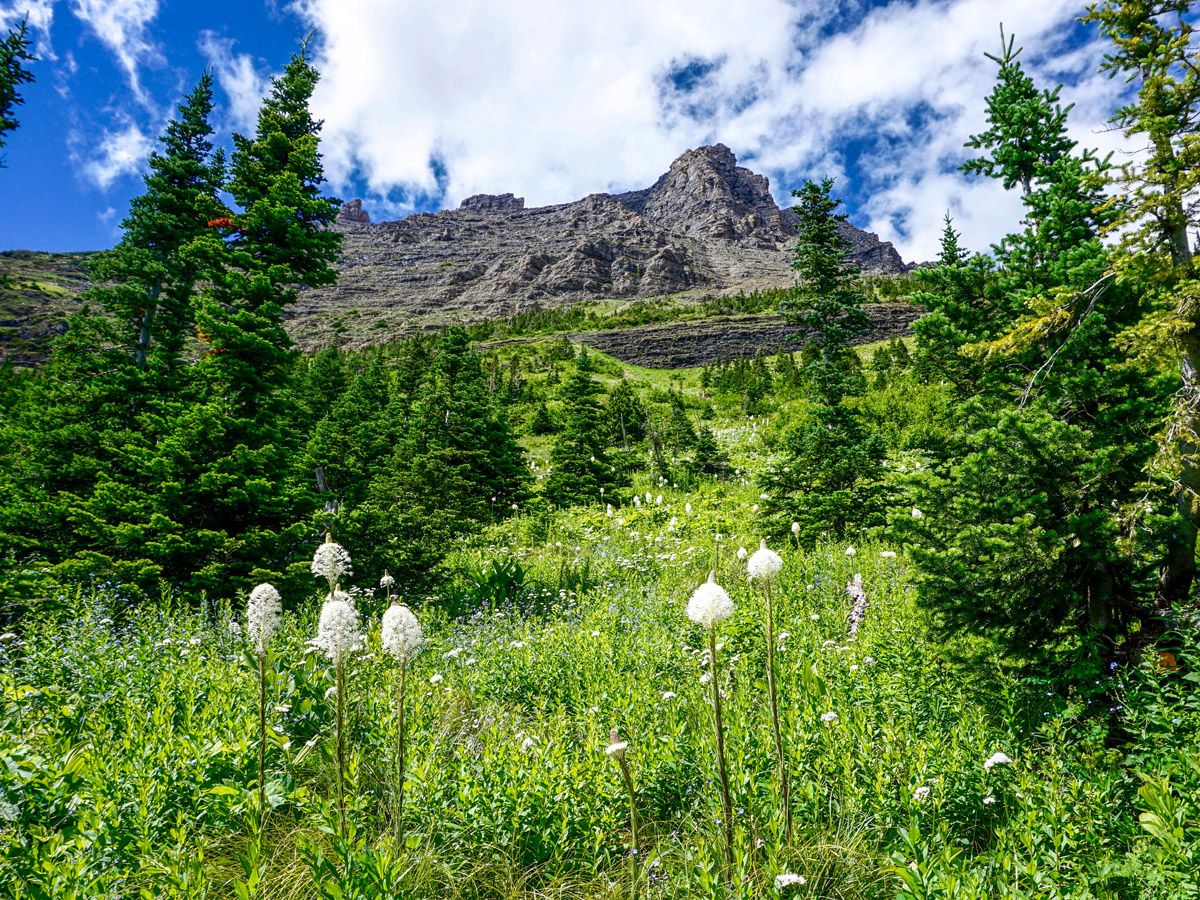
pixel 669 695
pixel 850 551
pixel 710 603
pixel 989 800
pixel 868 661
pixel 453 654
pixel 617 748
pixel 263 612
pixel 527 744
pixel 741 553
pixel 435 678
pixel 754 508
pixel 830 716
pixel 471 661
pixel 658 500
pixel 517 645
pixel 814 616
pixel 854 668
pixel 234 627
pixel 764 564
pixel 917 514
pixel 796 529
pixel 887 554
pixel 608 510
pixel 401 634
pixel 687 508
pixel 595 634
pixel 330 692
pixel 338 630
pixel 784 635
pixel 789 879
pixel 921 794
pixel 996 759
pixel 387 582
pixel 283 707
pixel 673 524
pixel 705 678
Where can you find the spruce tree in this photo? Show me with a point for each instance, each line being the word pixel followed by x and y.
pixel 828 297
pixel 579 461
pixel 1154 50
pixel 14 72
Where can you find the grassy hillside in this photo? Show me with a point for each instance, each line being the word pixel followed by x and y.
pixel 129 741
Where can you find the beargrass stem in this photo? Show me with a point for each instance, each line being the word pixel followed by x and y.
pixel 400 753
pixel 773 699
pixel 726 803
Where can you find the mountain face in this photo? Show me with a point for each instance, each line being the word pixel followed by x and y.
pixel 706 227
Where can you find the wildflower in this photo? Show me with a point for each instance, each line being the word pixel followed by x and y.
pixel 234 628
pixel 262 615
pixel 887 554
pixel 435 678
pixel 921 794
pixel 527 744
pixel 453 654
pixel 595 634
pixel 608 510
pixel 337 632
pixel 669 695
pixel 330 692
pixel 917 514
pixel 764 564
pixel 989 800
pixel 517 645
pixel 850 551
pixel 814 616
pixel 789 879
pixel 387 582
pixel 741 553
pixel 754 508
pixel 710 603
pixel 796 529
pixel 996 759
pixel 868 661
pixel 830 716
pixel 617 748
pixel 673 524
pixel 331 561
pixel 401 632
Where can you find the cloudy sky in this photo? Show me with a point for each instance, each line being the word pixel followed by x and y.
pixel 428 102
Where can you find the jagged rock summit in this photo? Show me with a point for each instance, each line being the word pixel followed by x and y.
pixel 706 227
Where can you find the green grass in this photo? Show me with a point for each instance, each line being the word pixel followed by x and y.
pixel 127 737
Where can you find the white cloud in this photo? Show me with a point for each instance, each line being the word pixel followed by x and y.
pixel 554 99
pixel 242 83
pixel 120 152
pixel 121 26
pixel 39 14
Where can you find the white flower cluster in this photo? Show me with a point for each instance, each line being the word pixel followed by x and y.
pixel 331 562
pixel 996 759
pixel 763 564
pixel 710 603
pixel 789 879
pixel 858 611
pixel 338 632
pixel 262 615
pixel 401 632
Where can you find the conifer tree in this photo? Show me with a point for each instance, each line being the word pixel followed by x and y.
pixel 626 415
pixel 14 55
pixel 579 460
pixel 1154 50
pixel 828 297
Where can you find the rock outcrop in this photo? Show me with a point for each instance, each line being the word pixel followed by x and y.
pixel 706 227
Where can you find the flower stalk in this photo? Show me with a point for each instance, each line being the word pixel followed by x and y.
pixel 722 771
pixel 616 749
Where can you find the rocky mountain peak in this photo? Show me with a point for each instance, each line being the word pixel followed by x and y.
pixel 493 203
pixel 706 194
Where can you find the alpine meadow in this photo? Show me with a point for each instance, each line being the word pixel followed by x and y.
pixel 666 544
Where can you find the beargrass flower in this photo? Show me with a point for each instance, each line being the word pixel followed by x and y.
pixel 387 582
pixel 401 632
pixel 764 564
pixel 262 615
pixel 687 508
pixel 741 553
pixel 710 603
pixel 338 633
pixel 796 529
pixel 850 551
pixel 331 561
pixel 996 759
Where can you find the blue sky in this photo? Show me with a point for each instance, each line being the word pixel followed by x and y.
pixel 551 99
